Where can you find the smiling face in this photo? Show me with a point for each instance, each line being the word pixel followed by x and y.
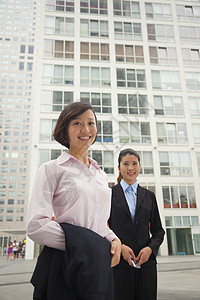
pixel 82 131
pixel 129 168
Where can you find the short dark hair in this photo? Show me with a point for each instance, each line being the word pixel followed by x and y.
pixel 69 113
pixel 124 153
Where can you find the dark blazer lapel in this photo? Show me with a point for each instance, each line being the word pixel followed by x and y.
pixel 140 198
pixel 120 197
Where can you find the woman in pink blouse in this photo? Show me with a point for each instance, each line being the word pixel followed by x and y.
pixel 71 188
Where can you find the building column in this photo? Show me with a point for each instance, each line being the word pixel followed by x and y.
pixel 29 254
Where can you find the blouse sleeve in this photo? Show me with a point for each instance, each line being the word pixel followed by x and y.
pixel 40 226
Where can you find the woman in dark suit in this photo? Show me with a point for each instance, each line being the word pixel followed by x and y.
pixel 135 220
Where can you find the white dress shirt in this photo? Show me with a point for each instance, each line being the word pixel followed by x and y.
pixel 69 191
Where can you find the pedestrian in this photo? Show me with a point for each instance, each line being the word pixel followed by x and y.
pixel 9 251
pixel 135 220
pixel 15 249
pixel 72 188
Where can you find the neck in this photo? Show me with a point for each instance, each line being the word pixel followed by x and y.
pixel 80 155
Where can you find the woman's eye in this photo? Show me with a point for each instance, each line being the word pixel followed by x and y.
pixel 91 123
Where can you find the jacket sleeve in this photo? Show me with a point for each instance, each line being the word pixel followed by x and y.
pixel 40 226
pixel 156 230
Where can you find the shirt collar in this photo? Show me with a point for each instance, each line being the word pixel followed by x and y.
pixel 65 157
pixel 125 185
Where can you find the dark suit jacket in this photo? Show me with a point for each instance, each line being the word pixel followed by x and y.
pixel 136 234
pixel 83 271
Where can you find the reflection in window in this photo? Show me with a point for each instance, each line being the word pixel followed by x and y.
pixel 58 49
pixel 95 76
pixel 189 34
pixel 55 100
pixel 165 80
pixel 163 56
pixel 188 13
pixel 58 74
pixel 131 78
pixel 94 51
pixel 133 104
pixel 101 102
pixel 160 33
pixel 105 159
pixel 192 81
pixel 134 132
pixel 196 133
pixel 93 28
pixel 191 57
pixel 126 8
pixel 175 163
pixel 105 132
pixel 94 7
pixel 129 53
pixel 146 161
pixel 172 133
pixel 168 106
pixel 128 30
pixel 158 11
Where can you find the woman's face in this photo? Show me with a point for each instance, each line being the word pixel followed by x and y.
pixel 129 168
pixel 82 131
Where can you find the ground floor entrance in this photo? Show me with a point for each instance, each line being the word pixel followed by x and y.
pixel 181 241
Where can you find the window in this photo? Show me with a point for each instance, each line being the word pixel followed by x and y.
pixel 146 161
pixel 126 8
pixel 165 80
pixel 188 13
pixel 46 129
pixel 58 49
pixel 58 74
pixel 105 159
pixel 94 7
pixel 22 48
pixel 95 76
pixel 189 34
pixel 21 66
pixel 133 104
pixel 179 196
pixel 196 133
pixel 172 133
pixel 9 218
pixel 94 51
pixel 191 57
pixel 55 101
pixel 46 155
pixel 194 103
pixel 158 11
pixel 101 102
pixel 134 132
pixel 10 210
pixel 131 78
pixel 94 28
pixel 128 30
pixel 59 26
pixel 198 161
pixel 192 81
pixel 105 132
pixel 168 106
pixel 30 49
pixel 160 33
pixel 175 163
pixel 163 56
pixel 129 53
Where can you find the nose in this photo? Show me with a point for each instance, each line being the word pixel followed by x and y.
pixel 84 128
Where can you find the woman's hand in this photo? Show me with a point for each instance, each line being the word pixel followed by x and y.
pixel 115 251
pixel 127 252
pixel 144 255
